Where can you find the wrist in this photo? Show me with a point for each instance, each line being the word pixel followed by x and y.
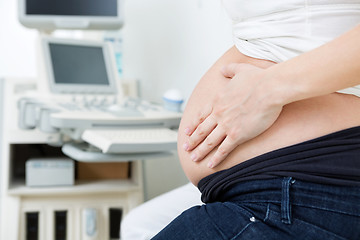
pixel 281 87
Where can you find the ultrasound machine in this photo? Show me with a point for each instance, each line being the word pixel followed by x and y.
pixel 87 104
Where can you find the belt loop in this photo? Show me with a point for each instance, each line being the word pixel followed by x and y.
pixel 285 200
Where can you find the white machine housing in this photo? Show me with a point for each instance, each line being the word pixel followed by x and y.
pixel 49 172
pixel 82 18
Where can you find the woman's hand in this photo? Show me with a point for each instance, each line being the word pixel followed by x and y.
pixel 240 112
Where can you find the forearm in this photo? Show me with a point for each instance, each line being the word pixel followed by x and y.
pixel 326 69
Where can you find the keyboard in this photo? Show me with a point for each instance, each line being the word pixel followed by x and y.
pixel 139 140
pixel 130 107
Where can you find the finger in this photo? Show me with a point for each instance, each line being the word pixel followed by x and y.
pixel 201 132
pixel 222 152
pixel 214 139
pixel 205 112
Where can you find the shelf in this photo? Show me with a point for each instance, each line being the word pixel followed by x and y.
pixel 29 136
pixel 19 188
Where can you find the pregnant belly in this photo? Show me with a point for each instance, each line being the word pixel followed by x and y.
pixel 298 122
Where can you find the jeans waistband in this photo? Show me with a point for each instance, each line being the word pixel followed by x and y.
pixel 289 191
pixel 332 159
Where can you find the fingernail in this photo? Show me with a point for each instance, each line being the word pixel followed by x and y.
pixel 187 131
pixel 186 146
pixel 193 157
pixel 210 165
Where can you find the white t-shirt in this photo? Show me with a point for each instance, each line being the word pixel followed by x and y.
pixel 278 30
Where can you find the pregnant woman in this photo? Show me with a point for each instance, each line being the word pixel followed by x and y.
pixel 271 133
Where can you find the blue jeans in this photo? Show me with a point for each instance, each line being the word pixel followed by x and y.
pixel 282 208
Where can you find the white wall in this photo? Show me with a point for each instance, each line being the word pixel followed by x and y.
pixel 1 143
pixel 17 51
pixel 172 43
pixel 167 44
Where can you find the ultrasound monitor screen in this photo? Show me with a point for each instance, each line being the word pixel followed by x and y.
pixel 72 7
pixel 78 64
